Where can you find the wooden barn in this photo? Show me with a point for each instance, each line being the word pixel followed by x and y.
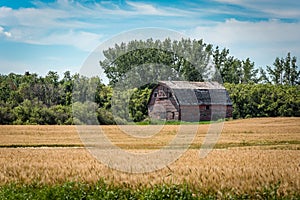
pixel 189 101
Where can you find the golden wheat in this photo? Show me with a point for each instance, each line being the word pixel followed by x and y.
pixel 242 170
pixel 238 168
pixel 38 134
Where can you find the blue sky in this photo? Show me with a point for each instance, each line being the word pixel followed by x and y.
pixel 39 36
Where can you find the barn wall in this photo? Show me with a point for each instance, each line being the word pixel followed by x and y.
pixel 163 106
pixel 229 111
pixel 190 113
pixel 205 112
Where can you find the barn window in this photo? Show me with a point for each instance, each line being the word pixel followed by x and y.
pixel 155 94
pixel 207 107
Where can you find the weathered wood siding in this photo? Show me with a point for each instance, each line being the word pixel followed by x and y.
pixel 205 112
pixel 162 104
pixel 190 113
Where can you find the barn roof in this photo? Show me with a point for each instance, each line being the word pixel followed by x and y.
pixel 191 85
pixel 198 93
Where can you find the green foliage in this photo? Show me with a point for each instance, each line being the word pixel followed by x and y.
pixel 85 113
pixel 29 99
pixel 285 71
pixel 186 58
pixel 264 100
pixel 131 69
pixel 102 190
pixel 249 72
pixel 28 112
pixel 233 70
pixel 94 101
pixel 6 113
pixel 105 116
pixel 61 114
pixel 138 104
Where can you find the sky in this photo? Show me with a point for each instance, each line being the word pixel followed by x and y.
pixel 59 35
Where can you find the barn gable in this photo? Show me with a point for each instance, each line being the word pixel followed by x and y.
pixel 188 101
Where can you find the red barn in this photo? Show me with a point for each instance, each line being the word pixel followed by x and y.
pixel 189 101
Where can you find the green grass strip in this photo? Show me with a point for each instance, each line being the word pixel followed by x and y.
pixel 101 190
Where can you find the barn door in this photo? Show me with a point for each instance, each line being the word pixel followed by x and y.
pixel 170 115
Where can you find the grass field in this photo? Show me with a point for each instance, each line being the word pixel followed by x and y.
pixel 251 155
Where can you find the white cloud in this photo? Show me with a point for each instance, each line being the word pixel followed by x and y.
pixel 270 8
pixel 261 41
pixel 148 9
pixel 145 8
pixel 83 40
pixel 85 25
pixel 234 31
pixel 68 22
pixel 47 26
pixel 5 33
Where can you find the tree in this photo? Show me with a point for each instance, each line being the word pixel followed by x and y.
pixel 264 100
pixel 232 70
pixel 28 112
pixel 105 116
pixel 248 71
pixel 6 113
pixel 262 76
pixel 138 104
pixel 287 69
pixel 63 114
pixel 284 71
pixel 103 96
pixel 85 113
pixel 294 73
pixel 51 88
pixel 276 73
pixel 66 85
pixel 219 59
pixel 188 59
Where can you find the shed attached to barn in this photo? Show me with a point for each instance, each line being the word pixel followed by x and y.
pixel 189 101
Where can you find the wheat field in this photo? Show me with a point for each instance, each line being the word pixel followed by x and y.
pixel 250 154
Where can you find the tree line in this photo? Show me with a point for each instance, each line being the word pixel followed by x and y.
pixel 33 99
pixel 255 92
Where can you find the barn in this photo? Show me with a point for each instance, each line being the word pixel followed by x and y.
pixel 189 101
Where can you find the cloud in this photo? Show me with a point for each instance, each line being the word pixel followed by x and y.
pixel 66 22
pixel 47 26
pixel 73 23
pixel 261 31
pixel 82 40
pixel 149 9
pixel 145 8
pixel 5 33
pixel 234 31
pixel 262 41
pixel 269 8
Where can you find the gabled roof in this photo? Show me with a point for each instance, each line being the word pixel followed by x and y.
pixel 191 85
pixel 198 93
